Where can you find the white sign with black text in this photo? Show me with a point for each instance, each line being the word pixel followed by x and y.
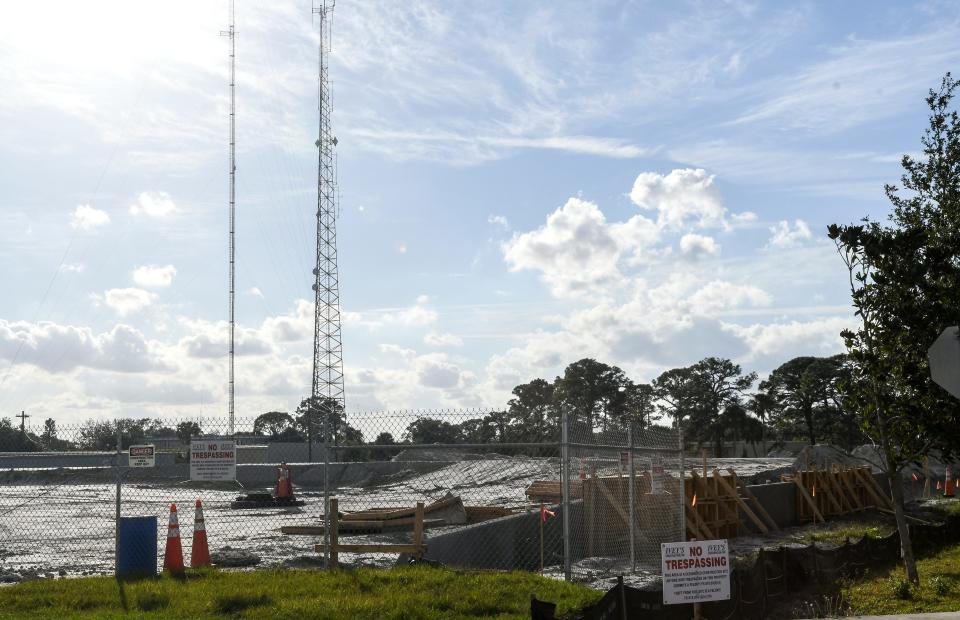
pixel 142 456
pixel 695 572
pixel 213 460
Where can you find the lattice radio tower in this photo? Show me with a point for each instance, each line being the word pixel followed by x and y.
pixel 327 388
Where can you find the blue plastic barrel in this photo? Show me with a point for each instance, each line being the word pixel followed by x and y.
pixel 137 555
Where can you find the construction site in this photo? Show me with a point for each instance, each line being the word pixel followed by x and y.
pixel 589 478
pixel 453 506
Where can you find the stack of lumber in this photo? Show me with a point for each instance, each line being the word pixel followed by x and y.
pixel 446 511
pixel 476 514
pixel 551 492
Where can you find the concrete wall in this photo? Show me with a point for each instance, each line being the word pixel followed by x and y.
pixel 506 543
pixel 252 454
pixel 779 499
pixel 32 460
pixel 293 452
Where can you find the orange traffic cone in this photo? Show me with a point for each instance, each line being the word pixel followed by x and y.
pixel 948 484
pixel 200 553
pixel 173 555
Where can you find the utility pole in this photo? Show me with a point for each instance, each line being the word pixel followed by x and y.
pixel 23 421
pixel 233 185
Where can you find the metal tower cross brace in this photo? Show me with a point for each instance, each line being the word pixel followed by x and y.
pixel 327 389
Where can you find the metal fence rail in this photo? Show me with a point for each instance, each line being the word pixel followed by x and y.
pixel 573 500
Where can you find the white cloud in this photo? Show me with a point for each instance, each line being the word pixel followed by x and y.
pixel 718 295
pixel 256 292
pixel 60 348
pixel 784 236
pixel 153 276
pixel 86 217
pixel 499 220
pixel 402 248
pixel 153 204
pixel 682 198
pixel 862 80
pixel 443 340
pixel 696 246
pixel 778 340
pixel 210 340
pixel 73 268
pixel 414 316
pixel 126 301
pixel 575 250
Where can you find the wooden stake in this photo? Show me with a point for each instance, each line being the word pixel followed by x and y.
pixel 810 502
pixel 418 530
pixel 697 612
pixel 760 509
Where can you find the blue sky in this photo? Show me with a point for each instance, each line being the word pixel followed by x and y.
pixel 522 185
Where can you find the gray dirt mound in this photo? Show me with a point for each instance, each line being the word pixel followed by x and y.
pixel 822 456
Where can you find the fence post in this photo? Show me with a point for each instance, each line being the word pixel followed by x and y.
pixel 565 488
pixel 633 520
pixel 683 486
pixel 326 489
pixel 116 530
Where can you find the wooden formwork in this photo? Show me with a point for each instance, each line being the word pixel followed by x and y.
pixel 716 504
pixel 606 510
pixel 836 491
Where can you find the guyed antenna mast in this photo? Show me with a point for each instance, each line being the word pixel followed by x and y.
pixel 233 196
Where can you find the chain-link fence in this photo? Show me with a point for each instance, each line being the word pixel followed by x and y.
pixel 574 499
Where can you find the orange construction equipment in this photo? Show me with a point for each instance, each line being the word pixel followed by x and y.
pixel 948 484
pixel 200 552
pixel 284 488
pixel 173 555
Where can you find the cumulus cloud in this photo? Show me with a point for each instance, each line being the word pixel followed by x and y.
pixel 153 276
pixel 718 295
pixel 60 348
pixel 696 246
pixel 443 340
pixel 575 250
pixel 126 301
pixel 86 217
pixel 162 392
pixel 294 327
pixel 680 198
pixel 777 340
pixel 784 236
pixel 153 204
pixel 256 292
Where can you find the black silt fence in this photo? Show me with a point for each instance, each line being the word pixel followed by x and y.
pixel 772 578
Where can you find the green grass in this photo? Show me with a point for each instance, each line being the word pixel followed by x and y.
pixel 885 591
pixel 399 593
pixel 837 532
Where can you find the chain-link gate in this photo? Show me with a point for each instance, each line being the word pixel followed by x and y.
pixel 495 495
pixel 624 488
